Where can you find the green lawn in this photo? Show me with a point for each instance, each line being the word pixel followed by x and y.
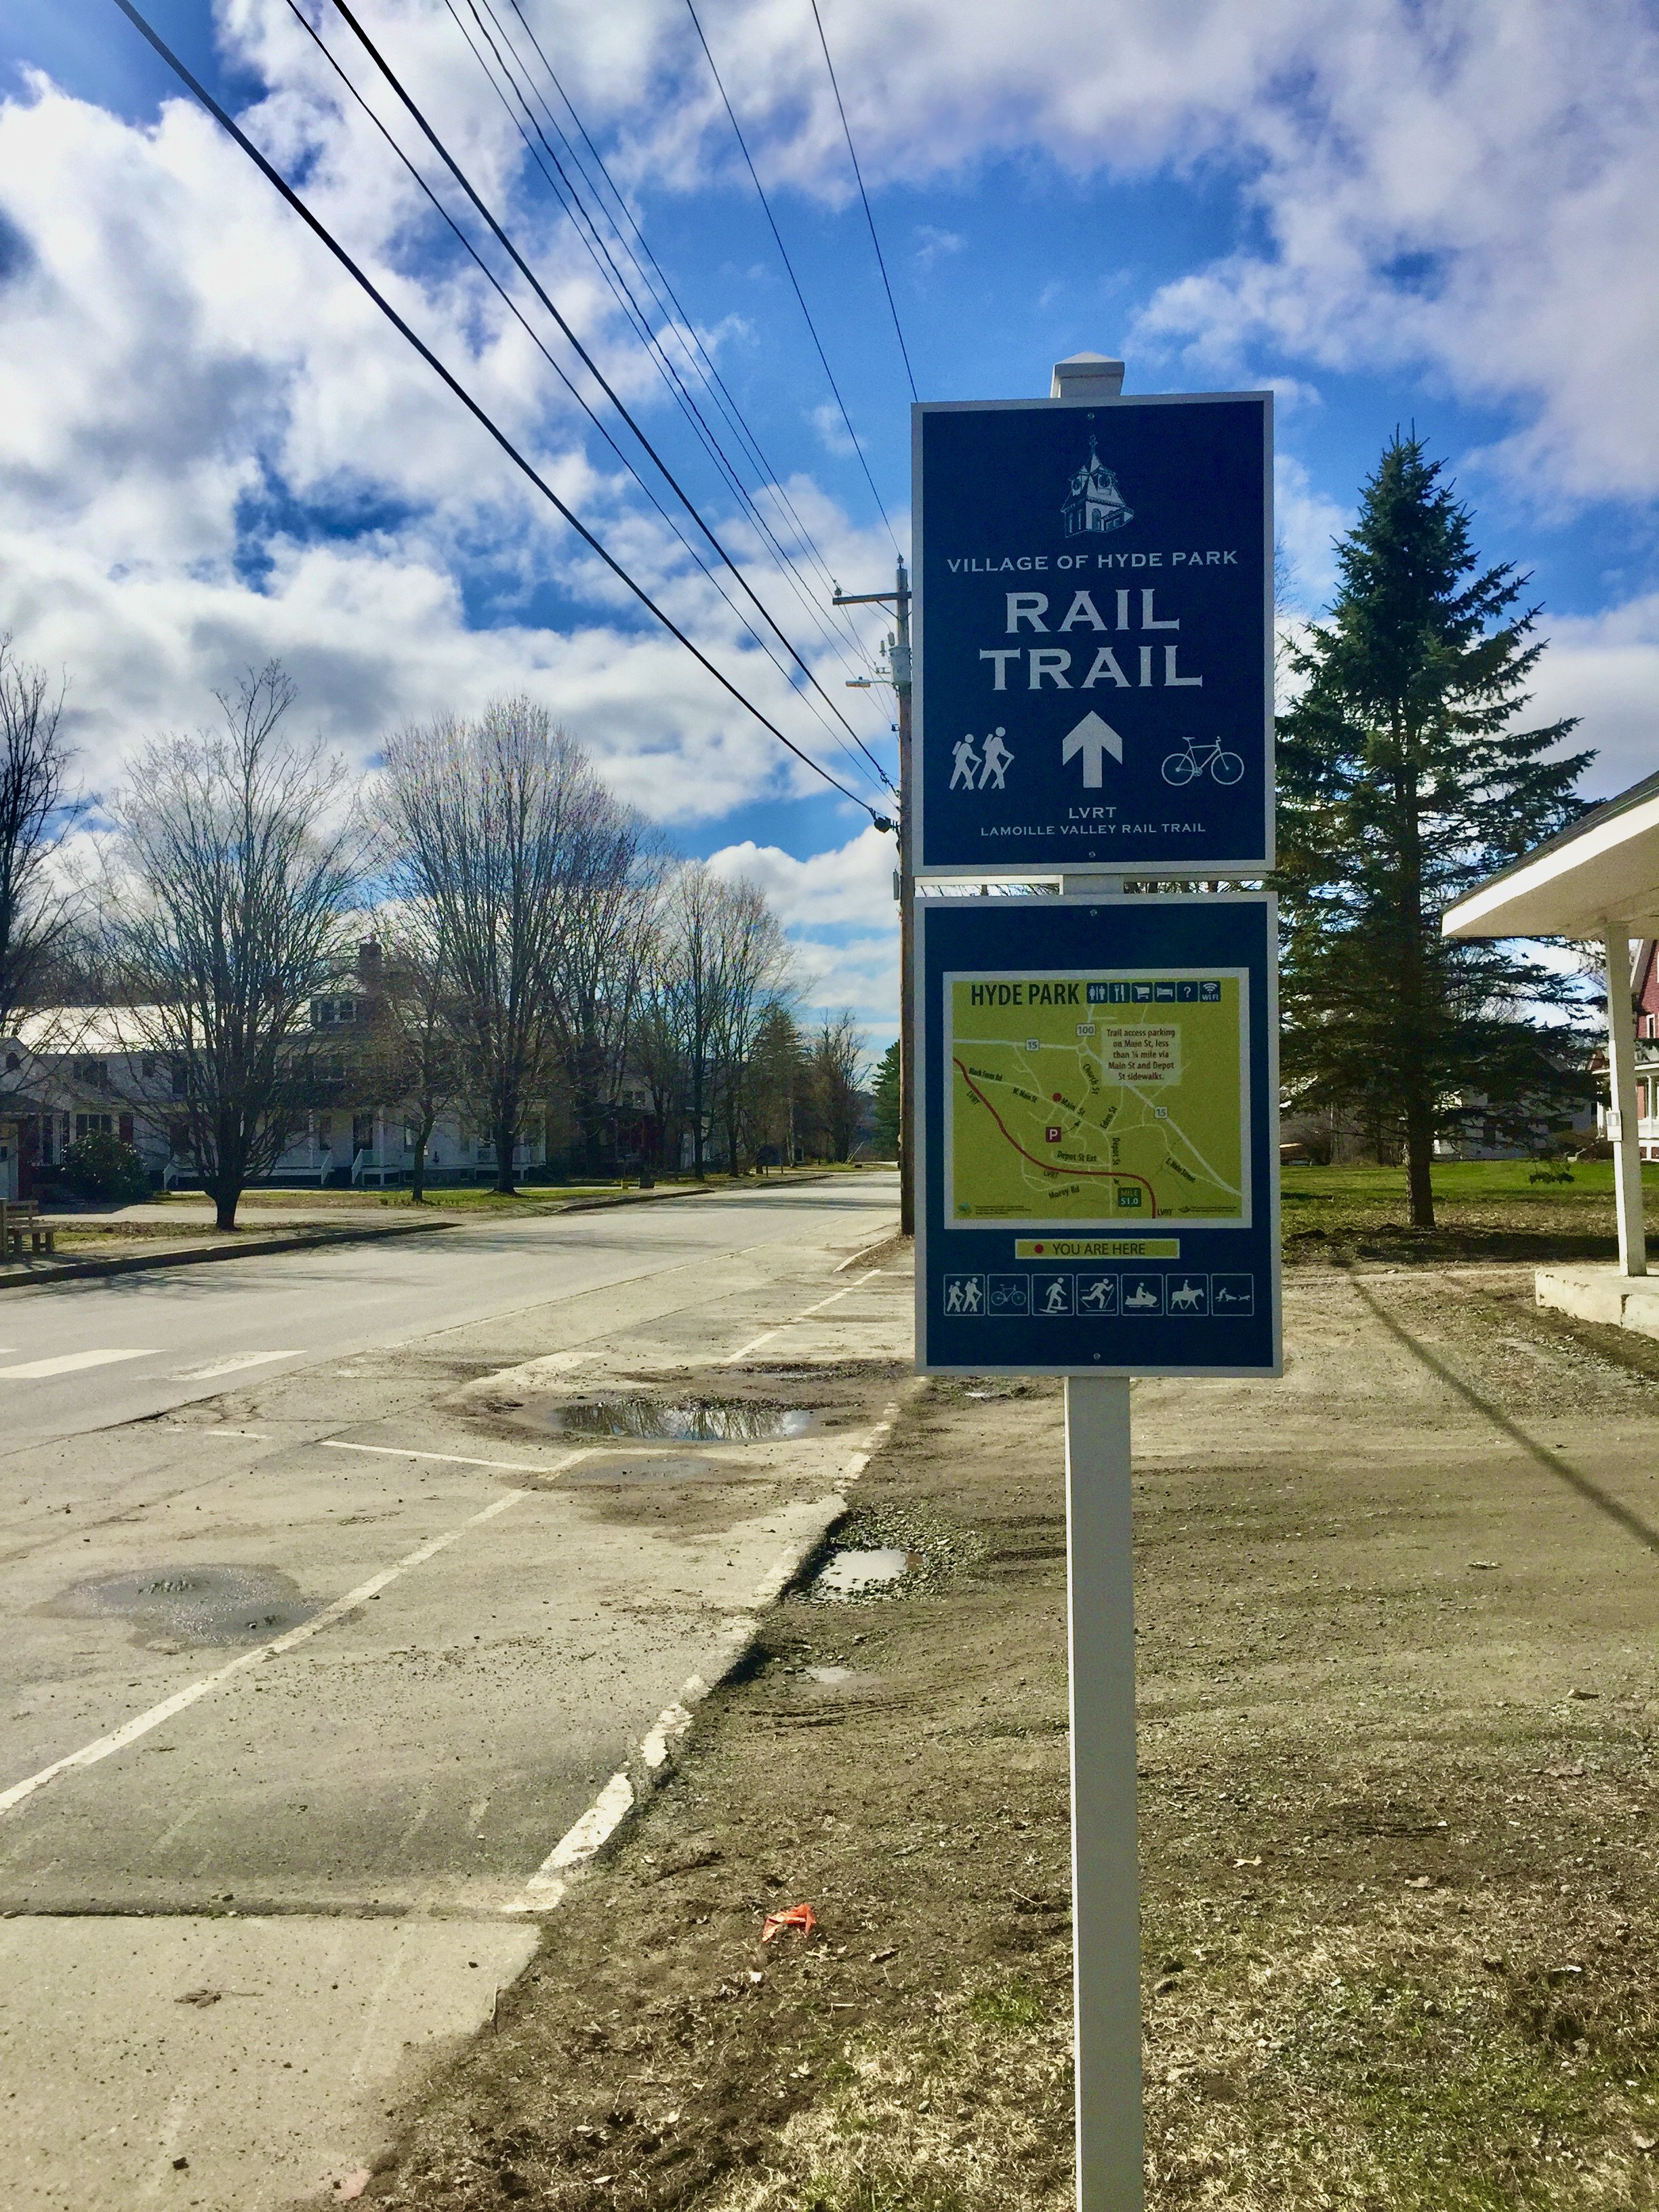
pixel 1484 1210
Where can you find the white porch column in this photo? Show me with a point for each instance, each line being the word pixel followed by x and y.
pixel 1621 1119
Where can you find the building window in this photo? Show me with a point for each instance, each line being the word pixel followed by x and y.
pixel 93 1125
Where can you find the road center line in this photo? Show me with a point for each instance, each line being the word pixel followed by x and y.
pixel 140 1725
pixel 67 1363
pixel 459 1459
pixel 766 1336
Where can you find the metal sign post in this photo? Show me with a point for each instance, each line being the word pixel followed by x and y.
pixel 1099 1198
pixel 1097 1122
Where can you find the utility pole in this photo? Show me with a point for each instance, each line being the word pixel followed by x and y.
pixel 898 666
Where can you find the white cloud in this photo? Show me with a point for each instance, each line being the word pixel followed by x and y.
pixel 1307 523
pixel 1605 668
pixel 1465 191
pixel 190 393
pixel 838 909
pixel 935 245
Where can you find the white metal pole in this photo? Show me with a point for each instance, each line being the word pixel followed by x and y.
pixel 1622 1119
pixel 1105 1853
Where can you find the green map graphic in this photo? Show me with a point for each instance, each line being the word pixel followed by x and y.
pixel 1109 1099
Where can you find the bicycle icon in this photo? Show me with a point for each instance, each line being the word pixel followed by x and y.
pixel 1186 768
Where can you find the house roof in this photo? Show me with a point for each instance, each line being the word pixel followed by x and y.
pixel 1604 868
pixel 59 1029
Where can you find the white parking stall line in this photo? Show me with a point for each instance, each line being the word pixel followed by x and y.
pixel 140 1725
pixel 231 1366
pixel 460 1459
pixel 756 1342
pixel 70 1363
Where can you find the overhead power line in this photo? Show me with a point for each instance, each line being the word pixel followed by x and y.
pixel 846 131
pixel 567 183
pixel 314 223
pixel 586 358
pixel 789 265
pixel 661 288
pixel 559 370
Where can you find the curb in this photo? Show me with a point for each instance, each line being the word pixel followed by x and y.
pixel 134 1262
pixel 619 1803
pixel 688 1190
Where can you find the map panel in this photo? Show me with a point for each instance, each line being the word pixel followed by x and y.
pixel 1086 1098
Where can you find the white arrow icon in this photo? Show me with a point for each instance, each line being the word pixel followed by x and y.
pixel 1091 738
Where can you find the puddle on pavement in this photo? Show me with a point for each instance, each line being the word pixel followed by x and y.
pixel 706 1421
pixel 855 1574
pixel 193 1605
pixel 639 1467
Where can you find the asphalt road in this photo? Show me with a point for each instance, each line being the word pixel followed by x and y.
pixel 83 1355
pixel 313 1620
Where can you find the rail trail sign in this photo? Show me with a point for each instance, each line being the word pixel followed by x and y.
pixel 1093 649
pixel 1099 1143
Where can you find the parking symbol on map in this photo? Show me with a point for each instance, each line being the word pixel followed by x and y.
pixel 1232 1294
pixel 964 1294
pixel 1011 1294
pixel 1187 1294
pixel 1097 1294
pixel 1142 1295
pixel 1051 1296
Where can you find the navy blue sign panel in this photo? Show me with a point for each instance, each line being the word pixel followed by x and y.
pixel 1094 636
pixel 1098 1137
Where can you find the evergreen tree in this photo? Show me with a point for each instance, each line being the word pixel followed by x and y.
pixel 887 1102
pixel 1404 778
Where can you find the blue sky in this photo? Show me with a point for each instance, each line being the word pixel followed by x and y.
pixel 210 450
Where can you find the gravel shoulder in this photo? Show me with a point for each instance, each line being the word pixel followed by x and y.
pixel 1398 1693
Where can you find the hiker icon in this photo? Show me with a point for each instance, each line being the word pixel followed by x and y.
pixel 997 758
pixel 964 1294
pixel 966 761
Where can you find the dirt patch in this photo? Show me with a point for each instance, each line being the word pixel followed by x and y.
pixel 1400 1701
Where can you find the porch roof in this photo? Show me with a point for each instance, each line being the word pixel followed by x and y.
pixel 1604 868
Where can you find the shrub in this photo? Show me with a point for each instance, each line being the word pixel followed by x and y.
pixel 101 1166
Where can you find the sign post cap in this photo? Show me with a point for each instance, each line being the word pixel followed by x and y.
pixel 1087 376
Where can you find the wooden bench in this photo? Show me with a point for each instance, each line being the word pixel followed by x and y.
pixel 20 1217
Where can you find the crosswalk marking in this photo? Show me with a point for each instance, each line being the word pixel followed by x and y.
pixel 66 1363
pixel 230 1366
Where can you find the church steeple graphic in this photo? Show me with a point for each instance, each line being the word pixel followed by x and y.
pixel 1095 503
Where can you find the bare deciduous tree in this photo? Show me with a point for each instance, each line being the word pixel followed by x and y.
pixel 719 961
pixel 233 867
pixel 499 827
pixel 414 1060
pixel 603 951
pixel 36 810
pixel 835 1075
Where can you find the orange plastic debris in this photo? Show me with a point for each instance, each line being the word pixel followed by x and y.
pixel 798 1916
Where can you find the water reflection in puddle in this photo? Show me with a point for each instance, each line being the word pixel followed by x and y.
pixel 716 1421
pixel 853 1574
